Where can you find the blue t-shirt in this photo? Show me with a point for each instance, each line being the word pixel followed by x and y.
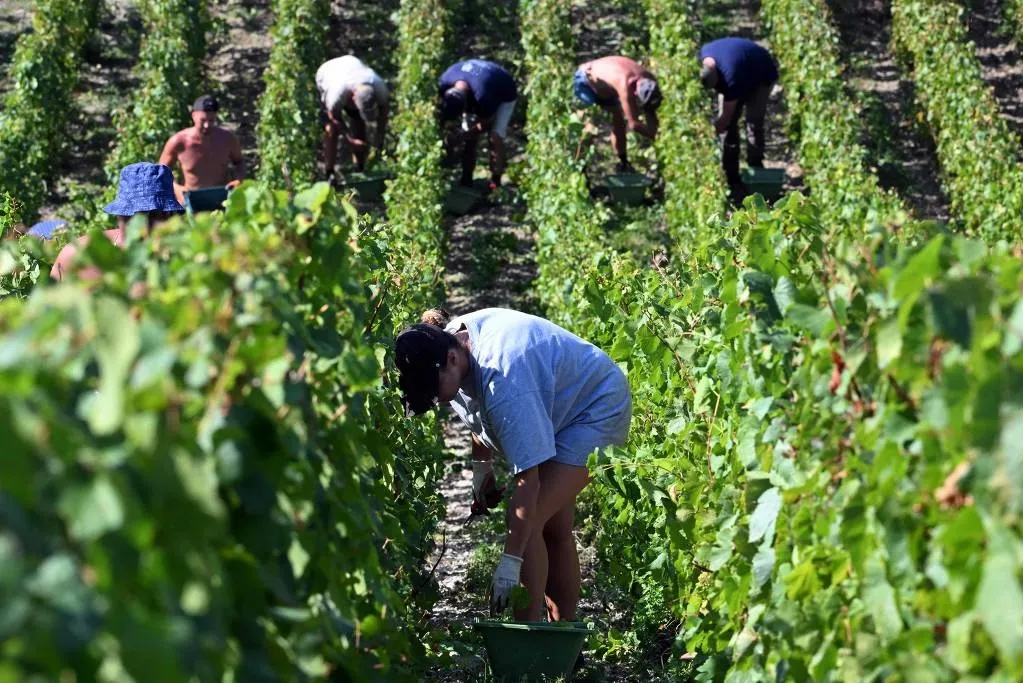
pixel 537 392
pixel 490 83
pixel 743 64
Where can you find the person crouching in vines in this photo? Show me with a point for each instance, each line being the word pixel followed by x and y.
pixel 545 399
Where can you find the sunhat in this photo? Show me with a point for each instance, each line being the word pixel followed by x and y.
pixel 144 187
pixel 583 90
pixel 419 353
pixel 47 229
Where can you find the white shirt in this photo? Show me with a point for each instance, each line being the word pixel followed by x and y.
pixel 336 78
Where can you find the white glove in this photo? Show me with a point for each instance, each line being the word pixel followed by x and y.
pixel 506 579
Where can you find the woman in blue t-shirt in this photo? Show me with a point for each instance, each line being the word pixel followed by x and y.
pixel 545 399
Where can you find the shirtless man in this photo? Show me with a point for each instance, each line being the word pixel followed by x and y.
pixel 351 90
pixel 626 89
pixel 205 151
pixel 143 188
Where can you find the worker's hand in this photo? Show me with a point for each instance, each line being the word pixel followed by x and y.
pixel 233 184
pixel 485 494
pixel 506 580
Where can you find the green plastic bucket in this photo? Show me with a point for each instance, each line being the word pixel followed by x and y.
pixel 628 188
pixel 765 181
pixel 368 186
pixel 206 199
pixel 531 649
pixel 462 200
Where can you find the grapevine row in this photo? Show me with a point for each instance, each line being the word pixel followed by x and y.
pixel 414 198
pixel 976 149
pixel 34 115
pixel 222 494
pixel 798 410
pixel 289 130
pixel 804 41
pixel 694 183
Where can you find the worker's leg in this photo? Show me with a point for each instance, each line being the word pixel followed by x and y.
pixel 469 141
pixel 559 486
pixel 330 133
pixel 563 576
pixel 619 137
pixel 358 141
pixel 498 135
pixel 756 111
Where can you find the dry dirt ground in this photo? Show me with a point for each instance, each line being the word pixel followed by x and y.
pixel 900 147
pixel 15 19
pixel 999 55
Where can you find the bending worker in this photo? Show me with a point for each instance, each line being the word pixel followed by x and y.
pixel 545 399
pixel 349 88
pixel 205 151
pixel 144 188
pixel 624 88
pixel 482 94
pixel 743 74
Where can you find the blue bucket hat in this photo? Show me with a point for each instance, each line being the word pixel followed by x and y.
pixel 47 229
pixel 144 187
pixel 583 90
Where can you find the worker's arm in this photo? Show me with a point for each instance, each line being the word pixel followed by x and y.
pixel 631 112
pixel 169 156
pixel 725 116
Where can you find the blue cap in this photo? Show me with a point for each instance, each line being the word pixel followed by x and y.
pixel 583 90
pixel 46 229
pixel 144 187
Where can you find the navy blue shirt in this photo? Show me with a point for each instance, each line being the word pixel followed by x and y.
pixel 490 83
pixel 743 64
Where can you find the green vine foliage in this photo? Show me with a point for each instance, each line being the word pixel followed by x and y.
pixel 695 185
pixel 977 151
pixel 802 393
pixel 805 42
pixel 35 112
pixel 289 130
pixel 210 480
pixel 415 197
pixel 798 409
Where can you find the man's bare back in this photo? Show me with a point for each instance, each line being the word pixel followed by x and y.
pixel 205 158
pixel 613 77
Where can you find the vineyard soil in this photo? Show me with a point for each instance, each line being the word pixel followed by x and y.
pixel 999 56
pixel 902 149
pixel 105 84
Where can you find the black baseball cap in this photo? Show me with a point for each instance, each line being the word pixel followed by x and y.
pixel 206 103
pixel 419 353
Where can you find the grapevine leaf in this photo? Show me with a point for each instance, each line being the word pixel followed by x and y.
pixel 761 524
pixel 92 510
pixel 879 598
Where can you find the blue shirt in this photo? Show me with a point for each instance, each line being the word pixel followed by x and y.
pixel 536 391
pixel 743 64
pixel 490 83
